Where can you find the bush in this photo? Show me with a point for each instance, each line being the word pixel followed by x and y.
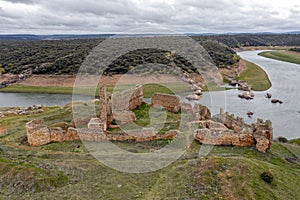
pixel 282 139
pixel 115 122
pixel 267 177
pixel 2 70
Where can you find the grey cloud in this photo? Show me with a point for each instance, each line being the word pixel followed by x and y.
pixel 21 1
pixel 93 16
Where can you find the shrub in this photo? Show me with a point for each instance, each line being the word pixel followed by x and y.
pixel 115 122
pixel 282 139
pixel 267 177
pixel 2 70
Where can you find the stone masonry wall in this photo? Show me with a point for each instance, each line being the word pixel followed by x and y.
pixel 39 134
pixel 234 131
pixel 169 102
pixel 128 99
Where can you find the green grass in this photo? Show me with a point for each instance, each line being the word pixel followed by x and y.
pixel 149 89
pixel 51 90
pixel 67 170
pixel 286 56
pixel 255 77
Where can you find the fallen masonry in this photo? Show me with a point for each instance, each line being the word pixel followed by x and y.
pixel 222 129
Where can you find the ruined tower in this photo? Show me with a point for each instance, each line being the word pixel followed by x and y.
pixel 103 106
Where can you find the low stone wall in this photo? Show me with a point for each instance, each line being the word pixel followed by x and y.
pixel 169 102
pixel 223 137
pixel 39 134
pixel 128 99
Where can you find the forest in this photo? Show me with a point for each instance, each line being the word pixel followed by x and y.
pixel 65 56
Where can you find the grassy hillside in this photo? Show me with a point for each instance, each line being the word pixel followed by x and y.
pixel 67 170
pixel 255 77
pixel 286 56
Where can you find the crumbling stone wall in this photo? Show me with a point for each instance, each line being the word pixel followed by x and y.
pixel 103 105
pixel 230 130
pixel 128 99
pixel 169 102
pixel 39 134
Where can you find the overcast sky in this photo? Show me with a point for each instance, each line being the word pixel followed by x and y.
pixel 116 16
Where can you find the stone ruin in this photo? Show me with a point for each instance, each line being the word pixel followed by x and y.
pixel 222 129
pixel 227 129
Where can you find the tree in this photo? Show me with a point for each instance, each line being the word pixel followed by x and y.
pixel 2 70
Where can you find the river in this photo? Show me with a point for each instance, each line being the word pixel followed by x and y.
pixel 285 78
pixel 29 99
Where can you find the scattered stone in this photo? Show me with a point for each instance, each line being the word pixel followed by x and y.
pixel 193 97
pixel 268 96
pixel 244 86
pixel 291 160
pixel 250 114
pixel 247 95
pixel 195 87
pixel 276 101
pixel 198 92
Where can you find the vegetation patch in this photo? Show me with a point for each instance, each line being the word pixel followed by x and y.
pixel 256 77
pixel 286 56
pixel 20 176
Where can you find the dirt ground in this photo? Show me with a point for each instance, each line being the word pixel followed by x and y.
pixel 2 131
pixel 234 71
pixel 69 80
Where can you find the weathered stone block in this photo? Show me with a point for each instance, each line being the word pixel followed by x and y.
pixel 169 102
pixel 37 133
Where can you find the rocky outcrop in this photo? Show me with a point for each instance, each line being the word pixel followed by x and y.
pixel 276 101
pixel 247 95
pixel 268 96
pixel 193 97
pixel 169 102
pixel 9 79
